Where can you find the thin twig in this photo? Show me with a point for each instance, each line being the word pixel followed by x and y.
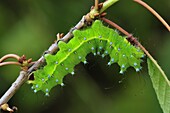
pixel 10 63
pixel 116 26
pixel 154 61
pixel 96 4
pixel 154 13
pixel 10 56
pixel 14 87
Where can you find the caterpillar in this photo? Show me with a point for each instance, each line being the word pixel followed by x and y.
pixel 97 39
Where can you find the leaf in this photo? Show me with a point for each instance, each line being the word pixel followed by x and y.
pixel 160 83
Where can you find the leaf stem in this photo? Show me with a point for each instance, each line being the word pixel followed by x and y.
pixel 107 4
pixel 116 26
pixel 155 62
pixel 154 13
pixel 96 4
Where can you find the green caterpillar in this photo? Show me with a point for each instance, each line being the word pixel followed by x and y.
pixel 99 40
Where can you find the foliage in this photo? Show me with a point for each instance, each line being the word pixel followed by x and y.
pixel 161 85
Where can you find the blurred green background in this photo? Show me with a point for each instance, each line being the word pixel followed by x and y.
pixel 29 27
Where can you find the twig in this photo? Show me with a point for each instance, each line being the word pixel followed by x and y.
pixel 137 43
pixel 154 13
pixel 116 26
pixel 10 56
pixel 96 4
pixel 11 63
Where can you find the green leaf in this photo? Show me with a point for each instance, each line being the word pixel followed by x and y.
pixel 161 84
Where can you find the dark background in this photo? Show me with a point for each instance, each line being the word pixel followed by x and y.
pixel 29 27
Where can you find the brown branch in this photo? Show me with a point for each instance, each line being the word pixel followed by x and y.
pixel 115 26
pixel 96 4
pixel 154 13
pixel 10 63
pixel 10 56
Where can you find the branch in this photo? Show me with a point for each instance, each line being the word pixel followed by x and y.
pixel 24 75
pixel 11 63
pixel 10 56
pixel 14 87
pixel 154 13
pixel 116 26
